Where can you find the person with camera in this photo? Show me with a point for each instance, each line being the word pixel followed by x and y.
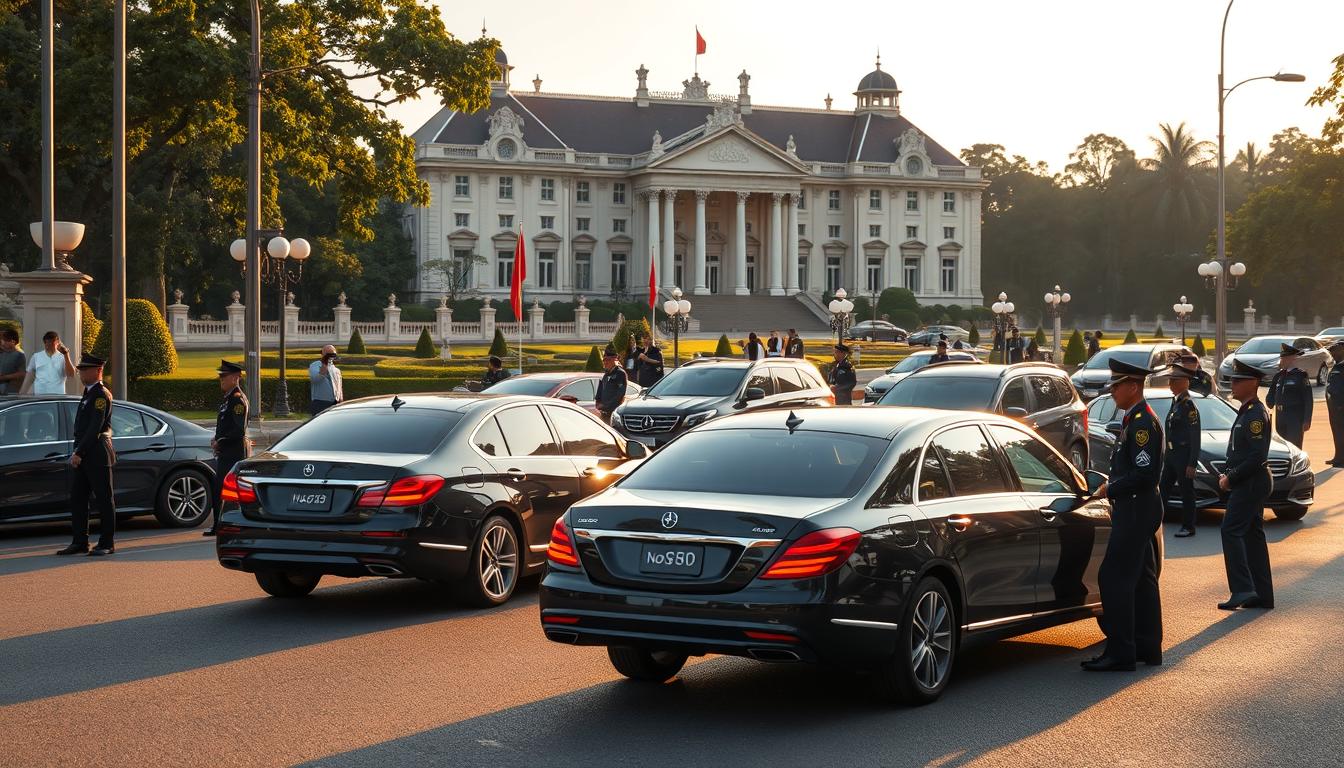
pixel 324 382
pixel 49 367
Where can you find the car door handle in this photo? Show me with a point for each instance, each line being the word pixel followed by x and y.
pixel 158 447
pixel 960 522
pixel 1048 514
pixel 593 471
pixel 56 456
pixel 516 474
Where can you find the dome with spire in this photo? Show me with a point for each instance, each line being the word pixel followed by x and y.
pixel 500 58
pixel 877 91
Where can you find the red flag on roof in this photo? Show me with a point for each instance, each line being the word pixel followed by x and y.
pixel 699 42
pixel 519 275
pixel 653 281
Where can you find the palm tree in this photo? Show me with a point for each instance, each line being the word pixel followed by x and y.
pixel 1250 159
pixel 1180 182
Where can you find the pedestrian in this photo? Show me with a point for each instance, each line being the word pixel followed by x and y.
pixel 1247 483
pixel 13 363
pixel 325 386
pixel 1094 346
pixel 774 346
pixel 1033 351
pixel 1130 599
pixel 1334 402
pixel 91 462
pixel 230 440
pixel 495 372
pixel 630 360
pixel 794 347
pixel 941 355
pixel 1016 347
pixel 842 378
pixel 999 344
pixel 1087 342
pixel 1201 383
pixel 611 387
pixel 753 349
pixel 1182 456
pixel 49 367
pixel 648 362
pixel 1290 397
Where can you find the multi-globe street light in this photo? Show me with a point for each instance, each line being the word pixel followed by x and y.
pixel 1182 309
pixel 841 318
pixel 275 269
pixel 678 321
pixel 1054 304
pixel 1003 320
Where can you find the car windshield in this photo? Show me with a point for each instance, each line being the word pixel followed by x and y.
pixel 959 394
pixel 1101 360
pixel 1265 345
pixel 521 385
pixel 761 462
pixel 699 381
pixel 372 430
pixel 1332 332
pixel 915 362
pixel 1214 413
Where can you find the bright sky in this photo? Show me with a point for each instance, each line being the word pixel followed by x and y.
pixel 1034 75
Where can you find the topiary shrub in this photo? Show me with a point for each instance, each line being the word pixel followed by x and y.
pixel 594 364
pixel 636 328
pixel 1158 333
pixel 424 346
pixel 1131 338
pixel 356 344
pixel 1075 351
pixel 724 348
pixel 1041 341
pixel 1198 346
pixel 904 318
pixel 89 328
pixel 498 346
pixel 974 336
pixel 892 300
pixel 149 346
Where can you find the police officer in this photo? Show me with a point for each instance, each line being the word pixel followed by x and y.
pixel 1290 397
pixel 1017 348
pixel 1094 344
pixel 611 387
pixel 1182 456
pixel 494 373
pixel 1334 402
pixel 941 355
pixel 1130 599
pixel 92 460
pixel 1201 383
pixel 842 378
pixel 230 440
pixel 1247 483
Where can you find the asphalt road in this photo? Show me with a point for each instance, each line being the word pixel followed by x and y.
pixel 158 656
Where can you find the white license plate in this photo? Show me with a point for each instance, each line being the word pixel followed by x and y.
pixel 310 501
pixel 676 559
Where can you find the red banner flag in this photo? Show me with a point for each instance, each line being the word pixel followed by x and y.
pixel 653 281
pixel 699 42
pixel 519 275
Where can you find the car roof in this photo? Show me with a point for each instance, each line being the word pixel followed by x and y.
pixel 462 402
pixel 1155 393
pixel 178 422
pixel 557 375
pixel 987 370
pixel 737 362
pixel 882 423
pixel 1148 345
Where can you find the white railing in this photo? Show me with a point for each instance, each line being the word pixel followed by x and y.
pixel 599 330
pixel 270 326
pixel 459 151
pixel 832 168
pixel 550 155
pixel 315 328
pixel 558 329
pixel 214 327
pixel 588 159
pixel 414 329
pixel 879 169
pixel 951 173
pixel 511 330
pixel 459 330
pixel 370 329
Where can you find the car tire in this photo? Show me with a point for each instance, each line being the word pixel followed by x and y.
pixel 649 666
pixel 926 648
pixel 287 583
pixel 185 499
pixel 1078 457
pixel 1290 513
pixel 1321 375
pixel 495 565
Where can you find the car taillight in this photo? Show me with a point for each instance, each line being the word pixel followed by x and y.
pixel 816 554
pixel 1084 421
pixel 236 489
pixel 406 492
pixel 561 550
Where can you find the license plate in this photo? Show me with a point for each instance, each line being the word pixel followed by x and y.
pixel 310 501
pixel 680 560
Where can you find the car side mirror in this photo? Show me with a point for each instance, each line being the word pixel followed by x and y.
pixel 1094 481
pixel 1013 412
pixel 753 393
pixel 568 398
pixel 1115 428
pixel 636 450
pixel 1079 366
pixel 473 386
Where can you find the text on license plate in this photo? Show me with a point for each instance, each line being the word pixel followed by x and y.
pixel 682 560
pixel 310 501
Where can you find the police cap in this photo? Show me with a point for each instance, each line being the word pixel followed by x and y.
pixel 1121 371
pixel 225 367
pixel 89 361
pixel 1241 370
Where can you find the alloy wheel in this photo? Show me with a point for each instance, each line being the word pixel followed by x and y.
pixel 498 563
pixel 188 498
pixel 930 640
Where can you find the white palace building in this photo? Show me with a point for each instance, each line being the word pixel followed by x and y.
pixel 729 197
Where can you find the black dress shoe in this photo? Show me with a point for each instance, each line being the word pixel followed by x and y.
pixel 1256 602
pixel 1185 532
pixel 208 532
pixel 1152 660
pixel 1085 662
pixel 100 551
pixel 74 549
pixel 1238 600
pixel 1108 664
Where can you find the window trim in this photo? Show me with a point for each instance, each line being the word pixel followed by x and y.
pixel 1080 482
pixel 998 461
pixel 56 404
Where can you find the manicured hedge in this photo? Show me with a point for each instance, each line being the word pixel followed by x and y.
pixel 424 346
pixel 149 346
pixel 204 395
pixel 356 344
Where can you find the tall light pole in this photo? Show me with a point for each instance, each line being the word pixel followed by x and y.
pixel 1003 320
pixel 117 350
pixel 281 253
pixel 1054 303
pixel 678 321
pixel 252 272
pixel 840 308
pixel 1220 305
pixel 48 151
pixel 1182 309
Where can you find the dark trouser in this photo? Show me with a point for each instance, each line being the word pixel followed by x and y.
pixel 1336 411
pixel 1174 475
pixel 1245 553
pixel 1289 428
pixel 228 456
pixel 93 477
pixel 317 406
pixel 1130 600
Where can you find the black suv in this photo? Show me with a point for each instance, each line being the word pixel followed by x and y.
pixel 1039 395
pixel 707 387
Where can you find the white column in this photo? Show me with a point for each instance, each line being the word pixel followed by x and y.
pixel 791 278
pixel 776 241
pixel 700 287
pixel 653 238
pixel 669 267
pixel 740 247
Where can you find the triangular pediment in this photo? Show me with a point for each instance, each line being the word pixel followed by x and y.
pixel 734 149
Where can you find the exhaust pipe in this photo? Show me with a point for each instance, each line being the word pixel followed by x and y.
pixel 231 562
pixel 562 636
pixel 773 655
pixel 380 569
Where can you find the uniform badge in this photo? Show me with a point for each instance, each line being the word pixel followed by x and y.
pixel 100 404
pixel 1257 427
pixel 1194 416
pixel 238 408
pixel 1143 459
pixel 1141 437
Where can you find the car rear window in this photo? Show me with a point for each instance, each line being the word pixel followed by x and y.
pixel 761 462
pixel 699 381
pixel 372 430
pixel 1262 346
pixel 1101 360
pixel 972 393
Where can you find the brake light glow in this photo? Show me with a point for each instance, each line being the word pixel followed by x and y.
pixel 237 489
pixel 816 554
pixel 559 619
pixel 406 492
pixel 561 550
pixel 774 636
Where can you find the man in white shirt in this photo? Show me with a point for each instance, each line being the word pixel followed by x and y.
pixel 48 368
pixel 324 382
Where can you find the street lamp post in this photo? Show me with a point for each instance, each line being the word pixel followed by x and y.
pixel 840 308
pixel 678 321
pixel 1183 310
pixel 1003 320
pixel 275 269
pixel 1221 288
pixel 1054 303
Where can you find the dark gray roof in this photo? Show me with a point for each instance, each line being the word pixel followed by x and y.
pixel 500 58
pixel 877 80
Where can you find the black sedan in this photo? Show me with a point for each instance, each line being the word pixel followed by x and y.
pixel 1294 482
pixel 875 330
pixel 874 537
pixel 164 465
pixel 453 488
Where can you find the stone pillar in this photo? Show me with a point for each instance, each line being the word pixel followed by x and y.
pixel 51 303
pixel 341 314
pixel 391 318
pixel 699 282
pixel 487 321
pixel 668 278
pixel 235 311
pixel 443 317
pixel 776 241
pixel 791 267
pixel 1317 322
pixel 740 244
pixel 536 319
pixel 1134 324
pixel 1292 323
pixel 1158 322
pixel 1106 322
pixel 177 316
pixel 291 318
pixel 581 318
pixel 654 239
pixel 1204 323
pixel 1248 321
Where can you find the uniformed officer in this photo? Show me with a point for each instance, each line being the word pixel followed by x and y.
pixel 1182 456
pixel 611 387
pixel 941 355
pixel 1130 599
pixel 1201 383
pixel 842 378
pixel 1290 397
pixel 230 440
pixel 1248 483
pixel 1334 402
pixel 1017 347
pixel 92 460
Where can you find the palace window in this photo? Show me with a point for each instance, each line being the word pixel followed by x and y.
pixel 504 268
pixel 546 269
pixel 911 232
pixel 548 222
pixel 874 274
pixel 949 278
pixel 912 201
pixel 874 199
pixel 874 230
pixel 462 186
pixel 949 233
pixel 581 192
pixel 583 271
pixel 462 220
pixel 462 259
pixel 802 230
pixel 618 272
pixel 581 224
pixel 911 270
pixel 802 201
pixel 833 200
pixel 833 231
pixel 618 225
pixel 548 189
pixel 505 187
pixel 506 221
pixel 618 193
pixel 802 272
pixel 949 202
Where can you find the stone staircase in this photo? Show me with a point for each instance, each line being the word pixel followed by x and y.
pixel 741 314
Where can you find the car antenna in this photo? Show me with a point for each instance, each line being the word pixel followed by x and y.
pixel 397 402
pixel 792 422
